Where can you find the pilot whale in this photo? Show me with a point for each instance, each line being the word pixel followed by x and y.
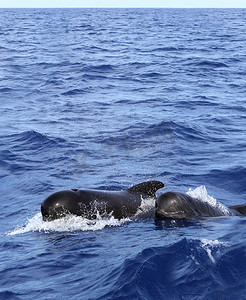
pixel 88 203
pixel 174 205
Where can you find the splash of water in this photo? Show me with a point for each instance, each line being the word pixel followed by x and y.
pixel 146 209
pixel 202 194
pixel 209 245
pixel 69 223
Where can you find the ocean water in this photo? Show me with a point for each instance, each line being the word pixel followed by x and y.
pixel 105 99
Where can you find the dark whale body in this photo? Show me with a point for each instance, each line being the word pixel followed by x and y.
pixel 88 203
pixel 174 205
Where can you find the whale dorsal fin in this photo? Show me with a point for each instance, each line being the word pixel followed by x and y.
pixel 149 188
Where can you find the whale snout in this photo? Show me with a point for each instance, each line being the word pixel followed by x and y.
pixel 52 213
pixel 168 206
pixel 59 205
pixel 45 214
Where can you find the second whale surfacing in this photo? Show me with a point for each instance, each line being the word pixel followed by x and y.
pixel 175 205
pixel 88 203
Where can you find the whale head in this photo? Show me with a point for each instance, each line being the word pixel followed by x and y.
pixel 60 204
pixel 173 205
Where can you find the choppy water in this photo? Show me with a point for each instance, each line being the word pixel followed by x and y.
pixel 97 98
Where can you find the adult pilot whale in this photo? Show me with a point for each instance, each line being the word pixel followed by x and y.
pixel 174 205
pixel 88 203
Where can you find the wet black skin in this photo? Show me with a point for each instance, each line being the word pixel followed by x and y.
pixel 176 205
pixel 88 203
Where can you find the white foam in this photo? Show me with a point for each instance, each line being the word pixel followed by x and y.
pixel 69 223
pixel 146 209
pixel 208 246
pixel 202 194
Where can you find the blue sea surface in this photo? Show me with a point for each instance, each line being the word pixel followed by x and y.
pixel 105 99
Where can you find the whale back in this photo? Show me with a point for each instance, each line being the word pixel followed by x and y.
pixel 88 203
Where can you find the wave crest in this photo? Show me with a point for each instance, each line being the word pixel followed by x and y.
pixel 183 270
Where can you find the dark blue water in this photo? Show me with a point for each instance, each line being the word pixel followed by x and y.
pixel 104 99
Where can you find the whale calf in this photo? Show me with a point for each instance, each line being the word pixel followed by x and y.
pixel 174 205
pixel 88 203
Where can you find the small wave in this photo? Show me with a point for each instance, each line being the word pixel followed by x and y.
pixel 166 49
pixel 214 64
pixel 174 271
pixel 9 295
pixel 99 68
pixel 34 140
pixel 192 133
pixel 140 135
pixel 14 162
pixel 202 194
pixel 5 90
pixel 7 155
pixel 69 223
pixel 207 64
pixel 73 92
pixel 151 75
pixel 231 178
pixel 160 128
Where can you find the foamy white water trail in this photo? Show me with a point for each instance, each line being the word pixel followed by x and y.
pixel 67 224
